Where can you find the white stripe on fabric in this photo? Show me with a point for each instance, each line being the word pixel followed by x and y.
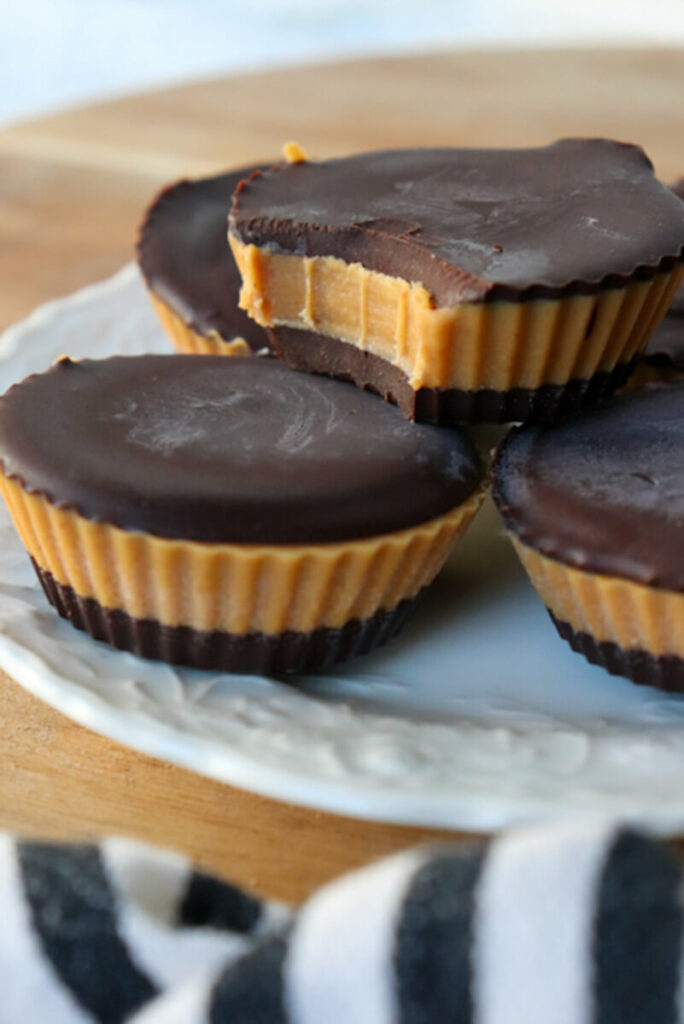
pixel 149 885
pixel 31 990
pixel 339 966
pixel 535 909
pixel 274 918
pixel 187 1004
pixel 152 879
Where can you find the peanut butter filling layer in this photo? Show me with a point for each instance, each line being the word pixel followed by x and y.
pixel 612 610
pixel 185 339
pixel 234 588
pixel 494 345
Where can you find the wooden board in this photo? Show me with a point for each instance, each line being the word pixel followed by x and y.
pixel 72 187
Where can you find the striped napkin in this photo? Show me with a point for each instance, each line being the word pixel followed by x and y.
pixel 579 923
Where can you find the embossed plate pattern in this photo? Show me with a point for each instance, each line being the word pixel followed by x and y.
pixel 476 717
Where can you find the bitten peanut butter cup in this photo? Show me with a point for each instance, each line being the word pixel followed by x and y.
pixel 463 284
pixel 595 507
pixel 229 513
pixel 191 275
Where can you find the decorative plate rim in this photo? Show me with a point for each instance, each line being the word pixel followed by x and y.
pixel 179 728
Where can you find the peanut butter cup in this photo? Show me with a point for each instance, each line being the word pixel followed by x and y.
pixel 463 284
pixel 229 513
pixel 595 507
pixel 190 272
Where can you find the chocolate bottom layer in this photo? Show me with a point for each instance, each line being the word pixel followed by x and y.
pixel 260 653
pixel 665 671
pixel 304 350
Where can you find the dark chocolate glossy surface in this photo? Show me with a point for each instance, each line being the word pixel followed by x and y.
pixel 217 449
pixel 603 491
pixel 475 225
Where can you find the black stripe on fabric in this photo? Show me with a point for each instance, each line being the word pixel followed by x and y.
pixel 73 913
pixel 434 939
pixel 637 934
pixel 250 991
pixel 209 903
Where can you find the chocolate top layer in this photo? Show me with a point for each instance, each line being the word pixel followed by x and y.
pixel 603 491
pixel 217 449
pixel 475 224
pixel 184 255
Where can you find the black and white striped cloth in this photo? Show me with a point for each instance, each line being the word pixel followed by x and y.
pixel 580 923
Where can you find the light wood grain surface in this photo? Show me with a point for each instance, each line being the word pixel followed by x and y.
pixel 72 188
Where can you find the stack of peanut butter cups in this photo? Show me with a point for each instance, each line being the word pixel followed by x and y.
pixel 284 509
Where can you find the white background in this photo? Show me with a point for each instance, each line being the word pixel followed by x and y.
pixel 56 53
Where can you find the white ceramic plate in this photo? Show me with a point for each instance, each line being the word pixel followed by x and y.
pixel 477 716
